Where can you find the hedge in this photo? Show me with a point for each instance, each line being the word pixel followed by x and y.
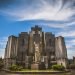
pixel 58 67
pixel 15 68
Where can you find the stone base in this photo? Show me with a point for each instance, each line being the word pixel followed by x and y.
pixel 34 66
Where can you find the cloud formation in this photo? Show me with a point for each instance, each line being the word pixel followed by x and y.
pixel 51 13
pixel 3 41
pixel 57 10
pixel 70 43
pixel 67 33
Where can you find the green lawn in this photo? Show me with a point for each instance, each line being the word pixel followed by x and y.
pixel 27 70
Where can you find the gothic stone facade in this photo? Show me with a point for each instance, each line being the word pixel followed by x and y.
pixel 35 50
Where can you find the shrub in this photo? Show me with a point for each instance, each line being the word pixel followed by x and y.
pixel 15 68
pixel 20 68
pixel 1 65
pixel 58 67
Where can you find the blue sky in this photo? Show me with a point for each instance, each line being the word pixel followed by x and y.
pixel 56 16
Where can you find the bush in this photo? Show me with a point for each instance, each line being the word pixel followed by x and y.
pixel 58 67
pixel 20 68
pixel 15 68
pixel 1 65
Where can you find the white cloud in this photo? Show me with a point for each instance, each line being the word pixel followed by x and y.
pixel 70 33
pixel 3 41
pixel 2 51
pixel 46 13
pixel 63 25
pixel 44 10
pixel 71 53
pixel 52 10
pixel 41 9
pixel 70 43
pixel 71 48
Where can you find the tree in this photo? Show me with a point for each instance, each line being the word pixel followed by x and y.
pixel 15 67
pixel 1 63
pixel 58 67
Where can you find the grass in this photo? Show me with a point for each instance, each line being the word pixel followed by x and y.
pixel 27 70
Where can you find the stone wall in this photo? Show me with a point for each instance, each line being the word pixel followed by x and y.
pixel 61 52
pixel 22 50
pixel 11 51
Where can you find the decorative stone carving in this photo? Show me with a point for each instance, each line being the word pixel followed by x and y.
pixel 37 53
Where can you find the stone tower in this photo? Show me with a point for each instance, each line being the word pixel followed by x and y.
pixel 61 52
pixel 10 51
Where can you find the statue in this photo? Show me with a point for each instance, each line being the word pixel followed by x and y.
pixel 37 53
